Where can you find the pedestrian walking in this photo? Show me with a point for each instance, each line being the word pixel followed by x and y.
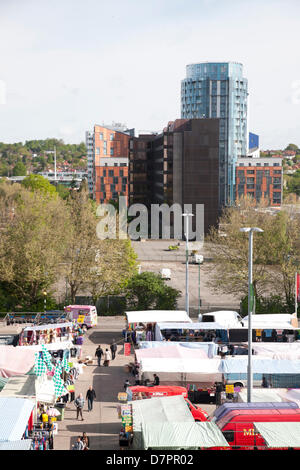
pixel 79 403
pixel 113 348
pixel 107 357
pixel 99 354
pixel 90 396
pixel 78 444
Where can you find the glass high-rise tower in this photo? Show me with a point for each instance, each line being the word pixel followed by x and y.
pixel 219 90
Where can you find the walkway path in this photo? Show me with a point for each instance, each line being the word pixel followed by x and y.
pixel 102 424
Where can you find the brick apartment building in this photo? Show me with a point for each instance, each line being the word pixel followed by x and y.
pixel 260 178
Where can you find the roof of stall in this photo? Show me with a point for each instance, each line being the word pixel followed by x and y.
pixel 279 434
pixel 23 444
pixel 191 326
pixel 261 366
pixel 155 316
pixel 172 351
pixel 15 414
pixel 182 435
pixel 20 387
pixel 49 326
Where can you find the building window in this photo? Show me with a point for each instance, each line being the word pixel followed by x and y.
pixel 101 136
pixel 97 150
pixel 110 172
pixel 111 150
pixel 111 137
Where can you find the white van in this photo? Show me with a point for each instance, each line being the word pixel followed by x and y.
pixel 165 273
pixel 226 318
pixel 85 315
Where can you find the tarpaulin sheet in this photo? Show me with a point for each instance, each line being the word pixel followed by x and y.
pixel 20 386
pixel 262 395
pixel 15 414
pixel 278 350
pixel 182 436
pixel 261 366
pixel 15 361
pixel 279 434
pixel 160 410
pixel 292 395
pixel 23 444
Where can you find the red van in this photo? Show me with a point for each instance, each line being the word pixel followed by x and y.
pixel 166 391
pixel 237 425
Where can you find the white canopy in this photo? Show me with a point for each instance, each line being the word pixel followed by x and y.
pixel 239 365
pixel 49 326
pixel 57 345
pixel 262 395
pixel 292 394
pixel 155 316
pixel 178 371
pixel 278 350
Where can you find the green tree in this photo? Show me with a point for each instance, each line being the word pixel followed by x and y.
pixel 39 183
pixel 19 169
pixel 148 290
pixel 32 243
pixel 276 251
pixel 292 147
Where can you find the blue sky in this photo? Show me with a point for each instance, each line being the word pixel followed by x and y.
pixel 69 64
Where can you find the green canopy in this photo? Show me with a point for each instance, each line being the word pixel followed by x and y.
pixel 158 410
pixel 283 434
pixel 182 436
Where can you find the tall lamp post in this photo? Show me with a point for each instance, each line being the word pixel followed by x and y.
pixel 186 233
pixel 45 299
pixel 200 259
pixel 250 231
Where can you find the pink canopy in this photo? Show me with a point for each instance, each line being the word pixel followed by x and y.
pixel 15 360
pixel 171 351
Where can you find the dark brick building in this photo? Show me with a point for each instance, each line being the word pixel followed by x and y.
pixel 180 165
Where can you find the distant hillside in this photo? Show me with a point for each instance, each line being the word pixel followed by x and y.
pixel 31 157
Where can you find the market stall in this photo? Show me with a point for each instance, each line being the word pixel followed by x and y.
pixel 49 333
pixel 182 435
pixel 141 324
pixel 182 332
pixel 199 372
pixel 157 410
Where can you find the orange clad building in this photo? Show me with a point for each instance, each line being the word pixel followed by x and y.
pixel 110 162
pixel 260 178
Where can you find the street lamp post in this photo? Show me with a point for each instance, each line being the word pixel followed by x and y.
pixel 186 233
pixel 45 297
pixel 250 231
pixel 200 260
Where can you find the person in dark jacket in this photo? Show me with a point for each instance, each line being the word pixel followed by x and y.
pixel 90 396
pixel 113 348
pixel 156 380
pixel 99 354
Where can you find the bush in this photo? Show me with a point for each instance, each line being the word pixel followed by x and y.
pixel 264 305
